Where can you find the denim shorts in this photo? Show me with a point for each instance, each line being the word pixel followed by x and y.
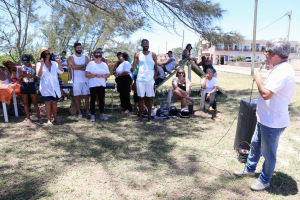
pixel 50 98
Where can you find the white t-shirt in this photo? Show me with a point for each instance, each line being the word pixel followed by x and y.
pixel 274 112
pixel 95 68
pixel 210 84
pixel 161 72
pixel 123 67
pixel 64 62
pixel 171 65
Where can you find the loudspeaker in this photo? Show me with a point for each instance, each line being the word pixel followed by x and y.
pixel 246 124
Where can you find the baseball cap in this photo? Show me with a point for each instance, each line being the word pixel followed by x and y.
pixel 25 58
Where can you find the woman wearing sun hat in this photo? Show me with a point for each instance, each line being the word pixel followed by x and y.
pixel 47 70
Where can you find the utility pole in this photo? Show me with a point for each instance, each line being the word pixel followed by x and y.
pixel 166 46
pixel 288 32
pixel 254 39
pixel 158 51
pixel 182 39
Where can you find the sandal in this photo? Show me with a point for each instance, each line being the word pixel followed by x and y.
pixel 126 112
pixel 138 121
pixel 211 110
pixel 79 116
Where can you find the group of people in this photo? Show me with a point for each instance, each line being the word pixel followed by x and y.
pixel 89 79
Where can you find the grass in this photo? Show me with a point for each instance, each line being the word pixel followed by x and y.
pixel 118 159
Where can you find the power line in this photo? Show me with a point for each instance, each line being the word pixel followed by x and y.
pixel 268 25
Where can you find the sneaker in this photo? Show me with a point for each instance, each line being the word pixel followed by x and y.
pixel 93 118
pixel 243 172
pixel 258 186
pixel 103 117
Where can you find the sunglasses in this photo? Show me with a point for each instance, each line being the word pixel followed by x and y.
pixel 180 72
pixel 47 54
pixel 97 56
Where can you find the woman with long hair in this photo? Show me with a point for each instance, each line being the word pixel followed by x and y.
pixel 27 74
pixel 186 53
pixel 97 71
pixel 124 81
pixel 12 69
pixel 182 88
pixel 47 70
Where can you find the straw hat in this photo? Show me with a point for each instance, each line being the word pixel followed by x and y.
pixel 42 50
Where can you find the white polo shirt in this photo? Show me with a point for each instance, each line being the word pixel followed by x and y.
pixel 274 112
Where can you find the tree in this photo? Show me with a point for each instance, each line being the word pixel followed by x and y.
pixel 129 47
pixel 194 52
pixel 177 52
pixel 14 32
pixel 88 25
pixel 196 15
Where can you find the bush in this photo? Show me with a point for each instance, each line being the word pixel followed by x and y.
pixel 239 59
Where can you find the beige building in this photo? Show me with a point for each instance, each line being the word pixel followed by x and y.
pixel 222 53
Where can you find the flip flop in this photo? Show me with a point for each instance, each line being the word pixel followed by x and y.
pixel 151 121
pixel 138 121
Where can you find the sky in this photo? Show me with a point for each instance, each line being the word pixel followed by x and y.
pixel 239 16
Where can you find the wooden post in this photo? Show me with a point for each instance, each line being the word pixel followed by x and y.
pixel 202 103
pixel 169 98
pixel 190 75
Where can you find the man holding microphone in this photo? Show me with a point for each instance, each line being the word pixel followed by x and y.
pixel 275 95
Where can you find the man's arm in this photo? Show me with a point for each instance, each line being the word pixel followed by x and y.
pixel 136 60
pixel 74 66
pixel 155 64
pixel 169 61
pixel 265 93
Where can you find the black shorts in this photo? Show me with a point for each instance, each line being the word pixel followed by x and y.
pixel 28 88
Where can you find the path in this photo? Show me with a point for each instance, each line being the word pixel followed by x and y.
pixel 247 71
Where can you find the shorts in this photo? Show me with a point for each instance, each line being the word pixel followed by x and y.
pixel 145 89
pixel 158 81
pixel 28 88
pixel 65 69
pixel 50 98
pixel 81 88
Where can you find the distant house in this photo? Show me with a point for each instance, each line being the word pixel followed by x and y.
pixel 223 53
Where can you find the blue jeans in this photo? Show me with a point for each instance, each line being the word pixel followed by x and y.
pixel 264 141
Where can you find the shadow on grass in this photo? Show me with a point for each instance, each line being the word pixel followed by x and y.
pixel 106 141
pixel 283 184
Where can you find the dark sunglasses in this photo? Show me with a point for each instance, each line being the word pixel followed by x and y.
pixel 180 72
pixel 47 54
pixel 97 56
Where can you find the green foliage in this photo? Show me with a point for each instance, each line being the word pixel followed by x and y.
pixel 129 47
pixel 239 59
pixel 177 52
pixel 194 51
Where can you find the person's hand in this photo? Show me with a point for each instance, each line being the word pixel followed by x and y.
pixel 42 61
pixel 156 77
pixel 257 76
pixel 99 75
pixel 57 60
pixel 132 69
pixel 208 95
pixel 206 76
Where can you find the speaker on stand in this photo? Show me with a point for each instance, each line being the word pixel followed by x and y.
pixel 245 128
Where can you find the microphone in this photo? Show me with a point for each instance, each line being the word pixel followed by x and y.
pixel 263 64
